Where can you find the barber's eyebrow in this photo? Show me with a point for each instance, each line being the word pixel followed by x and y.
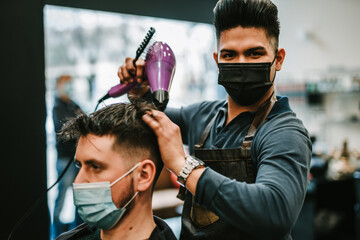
pixel 259 48
pixel 227 50
pixel 255 49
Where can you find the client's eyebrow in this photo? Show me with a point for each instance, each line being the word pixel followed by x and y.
pixel 94 161
pixel 90 162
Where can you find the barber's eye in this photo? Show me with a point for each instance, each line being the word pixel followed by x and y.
pixel 254 54
pixel 96 167
pixel 227 55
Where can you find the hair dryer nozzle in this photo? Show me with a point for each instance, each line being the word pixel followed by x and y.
pixel 160 99
pixel 160 69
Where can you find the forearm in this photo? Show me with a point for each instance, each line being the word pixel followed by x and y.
pixel 248 206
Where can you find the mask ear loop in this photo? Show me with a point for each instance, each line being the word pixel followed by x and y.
pixel 276 51
pixel 124 207
pixel 127 173
pixel 131 199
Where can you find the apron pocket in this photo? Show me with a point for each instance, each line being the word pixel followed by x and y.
pixel 202 217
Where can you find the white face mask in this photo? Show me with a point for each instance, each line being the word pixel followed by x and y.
pixel 95 205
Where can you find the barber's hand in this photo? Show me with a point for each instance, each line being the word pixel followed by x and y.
pixel 169 140
pixel 128 74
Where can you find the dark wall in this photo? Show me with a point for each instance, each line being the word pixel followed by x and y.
pixel 23 115
pixel 23 147
pixel 189 10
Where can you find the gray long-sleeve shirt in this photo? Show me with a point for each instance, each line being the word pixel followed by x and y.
pixel 281 151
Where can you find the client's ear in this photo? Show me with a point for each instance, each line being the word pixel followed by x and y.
pixel 146 174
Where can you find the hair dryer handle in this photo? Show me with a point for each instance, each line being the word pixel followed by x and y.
pixel 121 89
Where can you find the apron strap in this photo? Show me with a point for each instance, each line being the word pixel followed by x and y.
pixel 206 132
pixel 260 117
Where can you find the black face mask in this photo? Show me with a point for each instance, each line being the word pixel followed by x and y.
pixel 246 83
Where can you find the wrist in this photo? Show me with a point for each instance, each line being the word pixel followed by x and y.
pixel 177 165
pixel 190 164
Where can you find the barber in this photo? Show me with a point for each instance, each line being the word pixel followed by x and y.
pixel 248 171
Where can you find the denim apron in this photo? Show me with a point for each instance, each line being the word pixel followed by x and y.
pixel 197 221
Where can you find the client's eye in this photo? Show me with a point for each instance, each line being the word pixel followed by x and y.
pixel 77 164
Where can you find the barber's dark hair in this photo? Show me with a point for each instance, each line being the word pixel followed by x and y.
pixel 247 13
pixel 122 120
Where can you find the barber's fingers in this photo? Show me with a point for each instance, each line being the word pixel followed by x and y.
pixel 169 139
pixel 151 118
pixel 159 122
pixel 140 66
pixel 121 75
pixel 168 133
pixel 153 124
pixel 161 118
pixel 127 71
pixel 137 70
pixel 156 114
pixel 126 75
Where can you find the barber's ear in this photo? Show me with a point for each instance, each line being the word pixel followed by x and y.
pixel 280 56
pixel 146 175
pixel 215 56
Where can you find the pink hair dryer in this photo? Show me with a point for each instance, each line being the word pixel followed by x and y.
pixel 159 68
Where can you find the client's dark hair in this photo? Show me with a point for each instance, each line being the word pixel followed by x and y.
pixel 248 13
pixel 122 120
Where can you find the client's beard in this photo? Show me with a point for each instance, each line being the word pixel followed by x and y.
pixel 130 193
